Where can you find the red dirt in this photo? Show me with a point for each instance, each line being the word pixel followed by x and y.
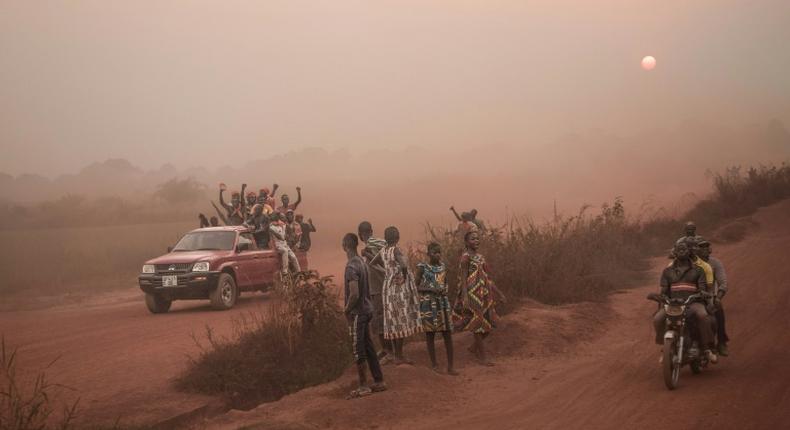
pixel 120 359
pixel 586 366
pixel 577 366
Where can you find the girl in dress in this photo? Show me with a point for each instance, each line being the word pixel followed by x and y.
pixel 474 308
pixel 435 309
pixel 400 299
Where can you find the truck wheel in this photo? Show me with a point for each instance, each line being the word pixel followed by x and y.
pixel 157 304
pixel 224 296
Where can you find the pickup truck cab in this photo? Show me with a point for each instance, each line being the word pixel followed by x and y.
pixel 215 263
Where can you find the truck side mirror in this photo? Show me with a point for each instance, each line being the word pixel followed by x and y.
pixel 242 247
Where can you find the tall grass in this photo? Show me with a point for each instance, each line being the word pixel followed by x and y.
pixel 585 256
pixel 300 341
pixel 29 406
pixel 568 259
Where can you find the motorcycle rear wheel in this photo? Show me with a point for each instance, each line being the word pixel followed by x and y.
pixel 671 366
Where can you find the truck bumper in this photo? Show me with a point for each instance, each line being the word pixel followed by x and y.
pixel 193 285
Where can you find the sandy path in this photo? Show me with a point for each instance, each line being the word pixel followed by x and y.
pixel 119 358
pixel 587 365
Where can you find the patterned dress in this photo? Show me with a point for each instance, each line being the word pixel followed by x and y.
pixel 400 299
pixel 435 310
pixel 479 315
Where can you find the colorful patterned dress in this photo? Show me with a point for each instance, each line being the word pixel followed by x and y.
pixel 400 299
pixel 480 315
pixel 435 310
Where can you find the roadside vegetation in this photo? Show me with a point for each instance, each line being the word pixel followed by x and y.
pixel 300 341
pixel 585 256
pixel 30 404
pixel 303 340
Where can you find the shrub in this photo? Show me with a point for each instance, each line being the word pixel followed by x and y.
pixel 566 260
pixel 300 341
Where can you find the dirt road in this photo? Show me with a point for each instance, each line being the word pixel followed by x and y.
pixel 587 366
pixel 120 359
pixel 578 366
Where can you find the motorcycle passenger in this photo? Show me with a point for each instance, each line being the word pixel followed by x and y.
pixel 720 289
pixel 681 279
pixel 690 231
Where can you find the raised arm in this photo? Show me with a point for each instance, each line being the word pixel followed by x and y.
pixel 274 190
pixel 219 213
pixel 298 197
pixel 458 217
pixel 310 224
pixel 243 198
pixel 222 199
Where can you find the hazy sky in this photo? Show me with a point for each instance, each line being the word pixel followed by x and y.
pixel 213 82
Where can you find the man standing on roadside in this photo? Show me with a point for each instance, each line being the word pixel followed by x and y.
pixel 358 310
pixel 372 247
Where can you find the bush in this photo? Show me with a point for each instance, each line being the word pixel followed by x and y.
pixel 301 341
pixel 569 259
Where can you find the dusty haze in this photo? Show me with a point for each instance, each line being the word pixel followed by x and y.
pixel 212 84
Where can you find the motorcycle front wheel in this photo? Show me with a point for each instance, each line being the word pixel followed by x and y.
pixel 671 365
pixel 696 367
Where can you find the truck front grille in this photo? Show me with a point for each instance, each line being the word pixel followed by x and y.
pixel 177 268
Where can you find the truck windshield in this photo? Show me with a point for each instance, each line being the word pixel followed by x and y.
pixel 206 241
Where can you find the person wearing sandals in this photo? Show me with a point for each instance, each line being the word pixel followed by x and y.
pixel 435 310
pixel 358 310
pixel 474 310
pixel 401 303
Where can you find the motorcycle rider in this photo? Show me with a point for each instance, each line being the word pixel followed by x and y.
pixel 720 289
pixel 681 279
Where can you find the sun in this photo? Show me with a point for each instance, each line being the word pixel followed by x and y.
pixel 649 62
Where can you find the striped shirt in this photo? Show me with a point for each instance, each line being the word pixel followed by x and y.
pixel 678 282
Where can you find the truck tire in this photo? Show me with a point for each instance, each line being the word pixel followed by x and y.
pixel 224 296
pixel 157 304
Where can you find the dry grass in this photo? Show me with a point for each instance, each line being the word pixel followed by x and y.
pixel 26 405
pixel 583 257
pixel 566 260
pixel 301 341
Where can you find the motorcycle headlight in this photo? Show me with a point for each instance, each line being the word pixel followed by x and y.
pixel 201 266
pixel 673 310
pixel 149 268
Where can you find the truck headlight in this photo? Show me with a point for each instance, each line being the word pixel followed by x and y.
pixel 201 266
pixel 149 268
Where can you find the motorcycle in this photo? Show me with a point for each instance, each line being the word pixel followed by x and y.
pixel 680 347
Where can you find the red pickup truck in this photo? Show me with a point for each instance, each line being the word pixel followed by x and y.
pixel 215 263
